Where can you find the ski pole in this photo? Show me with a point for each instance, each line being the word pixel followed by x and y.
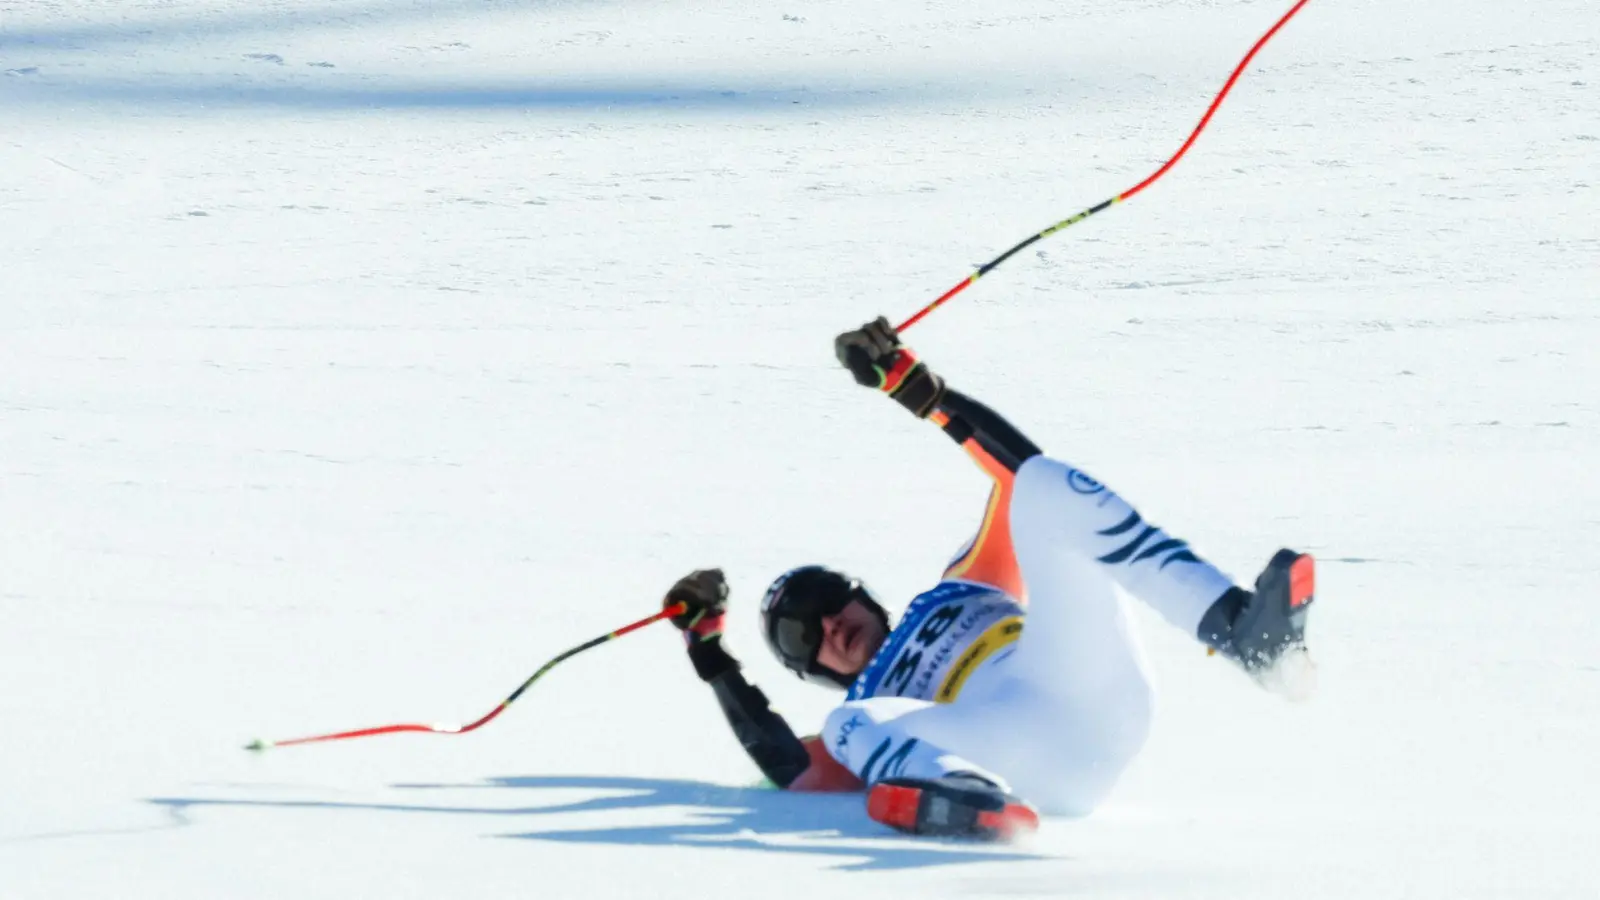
pixel 669 612
pixel 1073 220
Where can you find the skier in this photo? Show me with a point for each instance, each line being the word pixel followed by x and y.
pixel 1014 684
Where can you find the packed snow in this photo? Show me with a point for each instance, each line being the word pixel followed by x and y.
pixel 358 357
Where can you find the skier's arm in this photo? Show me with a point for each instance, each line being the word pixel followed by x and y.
pixel 783 757
pixel 876 358
pixel 999 450
pixel 994 443
pixel 765 736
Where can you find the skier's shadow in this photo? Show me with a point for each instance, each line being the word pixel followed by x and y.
pixel 717 816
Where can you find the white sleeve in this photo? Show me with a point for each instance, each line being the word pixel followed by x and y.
pixel 888 737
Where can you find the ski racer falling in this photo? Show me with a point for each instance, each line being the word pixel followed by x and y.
pixel 1014 684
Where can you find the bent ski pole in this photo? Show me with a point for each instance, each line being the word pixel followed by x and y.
pixel 669 612
pixel 988 267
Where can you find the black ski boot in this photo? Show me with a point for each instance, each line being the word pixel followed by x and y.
pixel 1257 630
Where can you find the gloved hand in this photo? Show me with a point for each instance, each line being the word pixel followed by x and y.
pixel 705 593
pixel 874 355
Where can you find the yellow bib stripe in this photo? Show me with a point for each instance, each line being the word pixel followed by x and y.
pixel 1001 634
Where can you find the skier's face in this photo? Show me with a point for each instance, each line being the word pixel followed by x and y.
pixel 849 639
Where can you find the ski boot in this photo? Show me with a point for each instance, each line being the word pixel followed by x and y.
pixel 957 805
pixel 1264 632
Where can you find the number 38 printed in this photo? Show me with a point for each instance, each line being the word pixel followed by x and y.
pixel 933 628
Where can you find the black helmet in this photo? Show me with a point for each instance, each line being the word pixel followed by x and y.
pixel 791 618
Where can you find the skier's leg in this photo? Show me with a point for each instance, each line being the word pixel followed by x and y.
pixel 1061 751
pixel 1057 727
pixel 1060 512
pixel 937 768
pixel 884 737
pixel 1080 667
pixel 1065 512
pixel 1079 660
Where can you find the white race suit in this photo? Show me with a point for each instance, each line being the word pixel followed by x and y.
pixel 1021 665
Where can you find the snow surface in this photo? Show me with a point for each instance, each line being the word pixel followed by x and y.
pixel 357 357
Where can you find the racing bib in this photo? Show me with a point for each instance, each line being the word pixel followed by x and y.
pixel 946 634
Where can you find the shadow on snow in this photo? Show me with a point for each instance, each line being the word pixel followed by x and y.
pixel 201 24
pixel 336 91
pixel 719 817
pixel 202 95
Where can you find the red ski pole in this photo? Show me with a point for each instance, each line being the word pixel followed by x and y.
pixel 667 613
pixel 1073 220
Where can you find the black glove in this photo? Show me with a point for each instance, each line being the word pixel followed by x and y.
pixel 874 355
pixel 705 594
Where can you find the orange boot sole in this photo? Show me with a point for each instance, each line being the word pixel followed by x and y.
pixel 927 811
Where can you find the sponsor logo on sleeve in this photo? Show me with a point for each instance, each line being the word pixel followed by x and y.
pixel 1083 484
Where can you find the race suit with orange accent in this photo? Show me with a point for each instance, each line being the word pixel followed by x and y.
pixel 1020 665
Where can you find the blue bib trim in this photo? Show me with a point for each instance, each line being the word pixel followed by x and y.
pixel 925 604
